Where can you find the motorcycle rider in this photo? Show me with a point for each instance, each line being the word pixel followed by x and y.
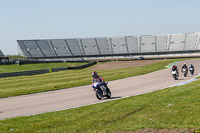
pixel 98 78
pixel 191 66
pixel 174 68
pixel 185 67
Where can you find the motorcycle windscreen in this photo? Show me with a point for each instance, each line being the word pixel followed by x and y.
pixel 95 85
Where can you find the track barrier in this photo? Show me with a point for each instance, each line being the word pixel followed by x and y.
pixel 42 71
pixel 24 73
pixel 75 68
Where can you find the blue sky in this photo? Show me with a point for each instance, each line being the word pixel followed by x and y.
pixel 54 19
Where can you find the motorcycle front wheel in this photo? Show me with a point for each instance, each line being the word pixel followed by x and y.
pixel 191 72
pixel 185 74
pixel 99 94
pixel 175 77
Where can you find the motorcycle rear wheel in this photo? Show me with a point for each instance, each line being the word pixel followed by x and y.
pixel 108 93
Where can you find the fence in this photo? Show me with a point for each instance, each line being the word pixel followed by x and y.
pixel 42 71
pixel 21 62
pixel 59 69
pixel 8 63
pixel 74 68
pixel 24 73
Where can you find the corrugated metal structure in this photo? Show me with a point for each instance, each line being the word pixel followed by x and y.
pixel 1 54
pixel 3 59
pixel 111 46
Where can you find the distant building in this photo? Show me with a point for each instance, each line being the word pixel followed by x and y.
pixel 3 58
pixel 185 44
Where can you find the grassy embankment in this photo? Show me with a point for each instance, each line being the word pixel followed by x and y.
pixel 176 107
pixel 15 57
pixel 28 67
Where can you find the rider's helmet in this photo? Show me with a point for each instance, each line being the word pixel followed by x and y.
pixel 94 74
pixel 184 63
pixel 174 67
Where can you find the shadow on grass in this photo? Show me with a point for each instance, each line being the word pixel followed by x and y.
pixel 126 115
pixel 112 98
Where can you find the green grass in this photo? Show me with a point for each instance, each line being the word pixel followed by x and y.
pixel 27 67
pixel 176 107
pixel 66 79
pixel 14 57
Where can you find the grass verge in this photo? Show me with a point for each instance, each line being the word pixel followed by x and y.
pixel 15 57
pixel 171 108
pixel 66 79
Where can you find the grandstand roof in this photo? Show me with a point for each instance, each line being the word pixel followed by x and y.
pixel 1 54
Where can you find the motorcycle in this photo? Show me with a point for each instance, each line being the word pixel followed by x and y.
pixel 191 70
pixel 101 90
pixel 185 72
pixel 175 74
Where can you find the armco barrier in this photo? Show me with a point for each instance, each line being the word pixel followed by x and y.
pixel 74 68
pixel 42 71
pixel 24 73
pixel 83 66
pixel 21 62
pixel 7 63
pixel 59 69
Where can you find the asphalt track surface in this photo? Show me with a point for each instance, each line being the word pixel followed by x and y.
pixel 84 95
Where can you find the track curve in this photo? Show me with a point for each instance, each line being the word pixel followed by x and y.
pixel 79 96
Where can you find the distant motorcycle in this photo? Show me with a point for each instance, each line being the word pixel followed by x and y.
pixel 191 70
pixel 185 72
pixel 101 90
pixel 175 74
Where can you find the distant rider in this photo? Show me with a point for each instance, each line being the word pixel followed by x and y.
pixel 185 67
pixel 191 66
pixel 174 68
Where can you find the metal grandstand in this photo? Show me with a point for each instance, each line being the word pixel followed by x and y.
pixel 111 46
pixel 3 58
pixel 1 54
